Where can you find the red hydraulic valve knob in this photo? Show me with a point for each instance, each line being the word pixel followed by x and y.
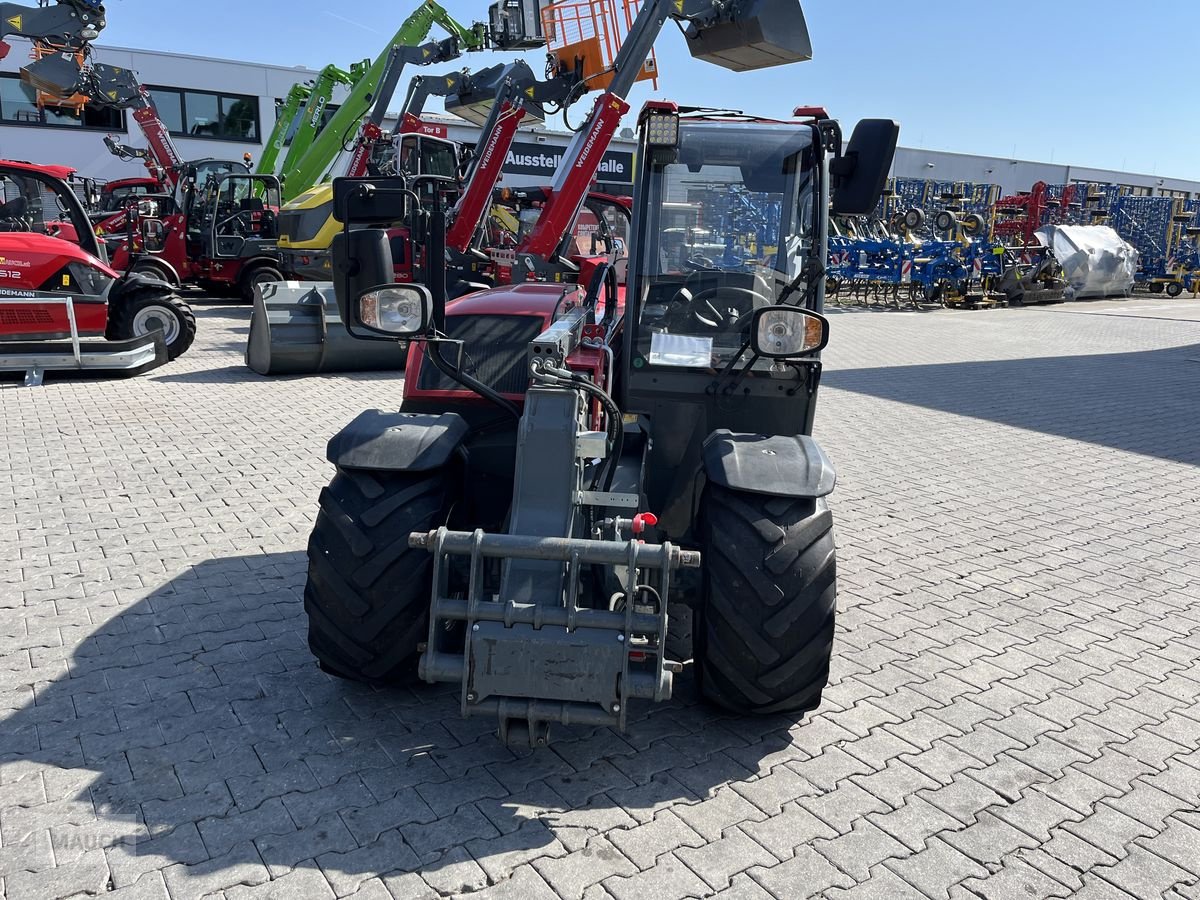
pixel 642 521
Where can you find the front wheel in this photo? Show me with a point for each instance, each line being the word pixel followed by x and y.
pixel 256 278
pixel 1174 289
pixel 141 311
pixel 770 582
pixel 368 592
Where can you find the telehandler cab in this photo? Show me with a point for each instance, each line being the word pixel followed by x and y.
pixel 573 461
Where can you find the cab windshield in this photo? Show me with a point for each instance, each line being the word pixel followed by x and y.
pixel 729 226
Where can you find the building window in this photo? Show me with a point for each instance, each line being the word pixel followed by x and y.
pixel 228 117
pixel 325 117
pixel 18 106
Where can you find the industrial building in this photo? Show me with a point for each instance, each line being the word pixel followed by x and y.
pixel 224 108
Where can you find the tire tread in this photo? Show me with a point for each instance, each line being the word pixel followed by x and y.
pixel 766 634
pixel 367 595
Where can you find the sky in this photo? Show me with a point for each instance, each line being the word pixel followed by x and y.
pixel 1098 83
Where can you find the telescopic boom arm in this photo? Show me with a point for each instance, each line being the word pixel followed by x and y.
pixel 371 129
pixel 313 114
pixel 285 120
pixel 752 34
pixel 370 90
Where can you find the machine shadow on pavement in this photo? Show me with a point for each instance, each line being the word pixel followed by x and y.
pixel 199 712
pixel 1134 401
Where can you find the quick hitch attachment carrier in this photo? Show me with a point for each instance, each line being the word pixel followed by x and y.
pixel 577 659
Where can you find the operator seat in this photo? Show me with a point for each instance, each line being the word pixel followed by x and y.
pixel 12 214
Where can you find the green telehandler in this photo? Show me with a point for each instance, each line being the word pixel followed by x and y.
pixel 286 120
pixel 301 172
pixel 312 115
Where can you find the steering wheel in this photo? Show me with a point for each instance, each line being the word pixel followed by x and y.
pixel 704 310
pixel 240 221
pixel 700 264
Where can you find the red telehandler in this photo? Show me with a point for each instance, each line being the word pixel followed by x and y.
pixel 59 294
pixel 574 465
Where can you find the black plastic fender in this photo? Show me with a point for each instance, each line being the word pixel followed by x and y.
pixel 777 465
pixel 131 281
pixel 397 442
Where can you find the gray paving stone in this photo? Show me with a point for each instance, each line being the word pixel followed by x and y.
pixel 644 844
pixel 857 850
pixel 500 857
pixel 711 817
pixel 150 886
pixel 574 873
pixel 181 845
pixel 241 866
pixel 282 852
pixel 303 882
pixel 369 822
pixel 795 826
pixel 988 641
pixel 431 840
pixel 89 875
pixel 804 875
pixel 1016 879
pixel 1145 874
pixel 525 884
pixel 669 879
pixel 883 884
pixel 223 833
pixel 988 840
pixel 935 868
pixel 915 822
pixel 347 871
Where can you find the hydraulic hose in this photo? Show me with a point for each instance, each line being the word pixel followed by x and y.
pixel 471 383
pixel 616 427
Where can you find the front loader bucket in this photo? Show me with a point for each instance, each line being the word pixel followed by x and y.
pixel 56 75
pixel 756 34
pixel 296 329
pixel 474 101
pixel 112 358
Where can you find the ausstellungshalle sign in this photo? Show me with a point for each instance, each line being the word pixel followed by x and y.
pixel 544 159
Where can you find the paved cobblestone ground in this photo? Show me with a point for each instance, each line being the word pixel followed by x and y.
pixel 1014 702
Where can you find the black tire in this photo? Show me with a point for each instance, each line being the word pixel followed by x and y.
pixel 367 596
pixel 135 312
pixel 945 221
pixel 256 276
pixel 765 634
pixel 1174 289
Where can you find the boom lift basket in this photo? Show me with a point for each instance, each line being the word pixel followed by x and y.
pixel 591 32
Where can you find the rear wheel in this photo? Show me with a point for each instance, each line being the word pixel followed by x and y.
pixel 141 311
pixel 368 592
pixel 257 277
pixel 766 631
pixel 1174 289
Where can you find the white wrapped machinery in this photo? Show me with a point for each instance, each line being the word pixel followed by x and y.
pixel 1097 262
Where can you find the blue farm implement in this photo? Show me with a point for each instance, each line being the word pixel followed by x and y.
pixel 1166 235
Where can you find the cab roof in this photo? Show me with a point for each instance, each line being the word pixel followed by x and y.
pixel 60 172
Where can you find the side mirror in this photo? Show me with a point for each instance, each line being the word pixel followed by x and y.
pixel 365 201
pixel 396 310
pixel 787 332
pixel 154 235
pixel 860 174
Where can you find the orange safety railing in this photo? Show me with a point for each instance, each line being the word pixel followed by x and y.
pixel 592 31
